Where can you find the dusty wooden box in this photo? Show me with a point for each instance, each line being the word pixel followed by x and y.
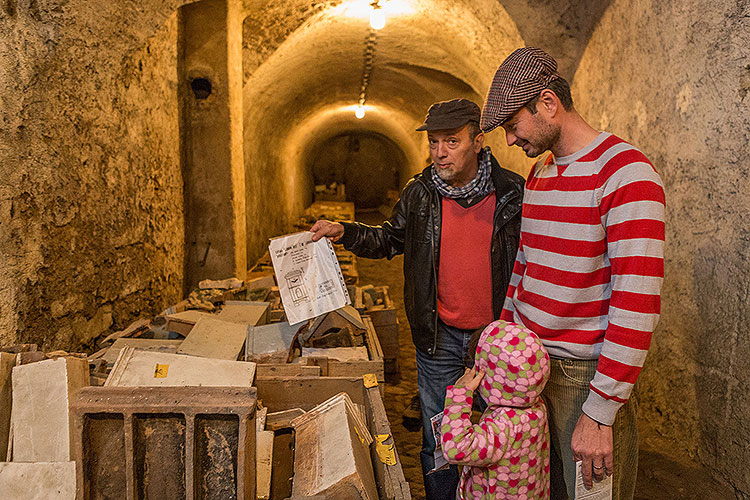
pixel 334 368
pixel 279 393
pixel 165 442
pixel 383 312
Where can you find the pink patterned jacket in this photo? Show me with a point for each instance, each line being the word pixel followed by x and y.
pixel 505 455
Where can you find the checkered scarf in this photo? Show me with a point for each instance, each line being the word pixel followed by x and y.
pixel 481 185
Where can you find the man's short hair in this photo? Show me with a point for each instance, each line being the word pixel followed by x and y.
pixel 474 130
pixel 561 88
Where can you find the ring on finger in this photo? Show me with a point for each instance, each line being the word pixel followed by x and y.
pixel 601 467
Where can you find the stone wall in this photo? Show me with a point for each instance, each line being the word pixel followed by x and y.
pixel 673 78
pixel 91 227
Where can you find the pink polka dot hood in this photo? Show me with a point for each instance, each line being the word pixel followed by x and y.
pixel 515 362
pixel 506 454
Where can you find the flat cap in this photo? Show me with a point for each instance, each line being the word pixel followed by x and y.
pixel 451 114
pixel 520 78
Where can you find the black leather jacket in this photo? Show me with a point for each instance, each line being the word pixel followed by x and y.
pixel 414 230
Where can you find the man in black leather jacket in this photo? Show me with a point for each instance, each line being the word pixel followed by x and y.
pixel 457 224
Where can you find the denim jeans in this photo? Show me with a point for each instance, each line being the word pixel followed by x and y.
pixel 565 392
pixel 434 374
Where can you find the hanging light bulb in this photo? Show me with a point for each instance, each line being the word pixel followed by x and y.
pixel 359 112
pixel 377 19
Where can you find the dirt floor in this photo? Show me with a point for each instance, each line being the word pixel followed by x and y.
pixel 659 477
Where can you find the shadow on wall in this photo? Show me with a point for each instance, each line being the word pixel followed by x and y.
pixel 368 164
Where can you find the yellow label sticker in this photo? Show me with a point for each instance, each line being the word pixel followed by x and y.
pixel 370 380
pixel 386 453
pixel 359 435
pixel 161 371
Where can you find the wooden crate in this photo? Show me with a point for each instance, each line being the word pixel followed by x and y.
pixel 334 368
pixel 280 393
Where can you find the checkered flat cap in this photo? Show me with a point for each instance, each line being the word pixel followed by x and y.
pixel 520 78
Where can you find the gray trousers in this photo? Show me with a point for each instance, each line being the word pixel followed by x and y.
pixel 565 392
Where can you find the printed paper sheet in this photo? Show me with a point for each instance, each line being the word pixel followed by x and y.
pixel 309 276
pixel 601 490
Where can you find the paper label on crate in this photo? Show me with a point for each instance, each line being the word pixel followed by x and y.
pixel 309 276
pixel 370 380
pixel 161 371
pixel 386 453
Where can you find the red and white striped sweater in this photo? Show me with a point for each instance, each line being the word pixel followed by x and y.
pixel 589 270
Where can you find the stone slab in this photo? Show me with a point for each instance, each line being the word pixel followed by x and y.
pixel 215 338
pixel 247 312
pixel 269 343
pixel 42 392
pixel 157 345
pixel 165 442
pixel 183 321
pixel 38 481
pixel 144 368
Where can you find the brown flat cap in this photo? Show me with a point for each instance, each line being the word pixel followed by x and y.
pixel 451 114
pixel 520 78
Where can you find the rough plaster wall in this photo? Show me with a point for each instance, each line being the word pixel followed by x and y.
pixel 674 79
pixel 317 65
pixel 91 230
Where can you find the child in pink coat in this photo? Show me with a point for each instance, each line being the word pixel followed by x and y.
pixel 506 455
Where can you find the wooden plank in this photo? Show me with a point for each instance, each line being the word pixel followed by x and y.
pixel 264 461
pixel 286 370
pixel 392 484
pixel 7 362
pixel 280 393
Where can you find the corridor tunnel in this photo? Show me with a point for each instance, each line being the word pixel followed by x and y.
pixel 147 145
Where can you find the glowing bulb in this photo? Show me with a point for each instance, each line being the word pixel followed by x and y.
pixel 377 19
pixel 359 112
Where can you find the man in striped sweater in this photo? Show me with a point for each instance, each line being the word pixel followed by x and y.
pixel 589 269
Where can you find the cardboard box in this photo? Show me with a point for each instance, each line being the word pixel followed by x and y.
pixel 278 394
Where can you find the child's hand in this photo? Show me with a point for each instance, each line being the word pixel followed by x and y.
pixel 471 378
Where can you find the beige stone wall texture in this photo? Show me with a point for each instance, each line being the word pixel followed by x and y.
pixel 673 78
pixel 91 229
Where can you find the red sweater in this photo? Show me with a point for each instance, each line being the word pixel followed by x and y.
pixel 590 266
pixel 464 271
